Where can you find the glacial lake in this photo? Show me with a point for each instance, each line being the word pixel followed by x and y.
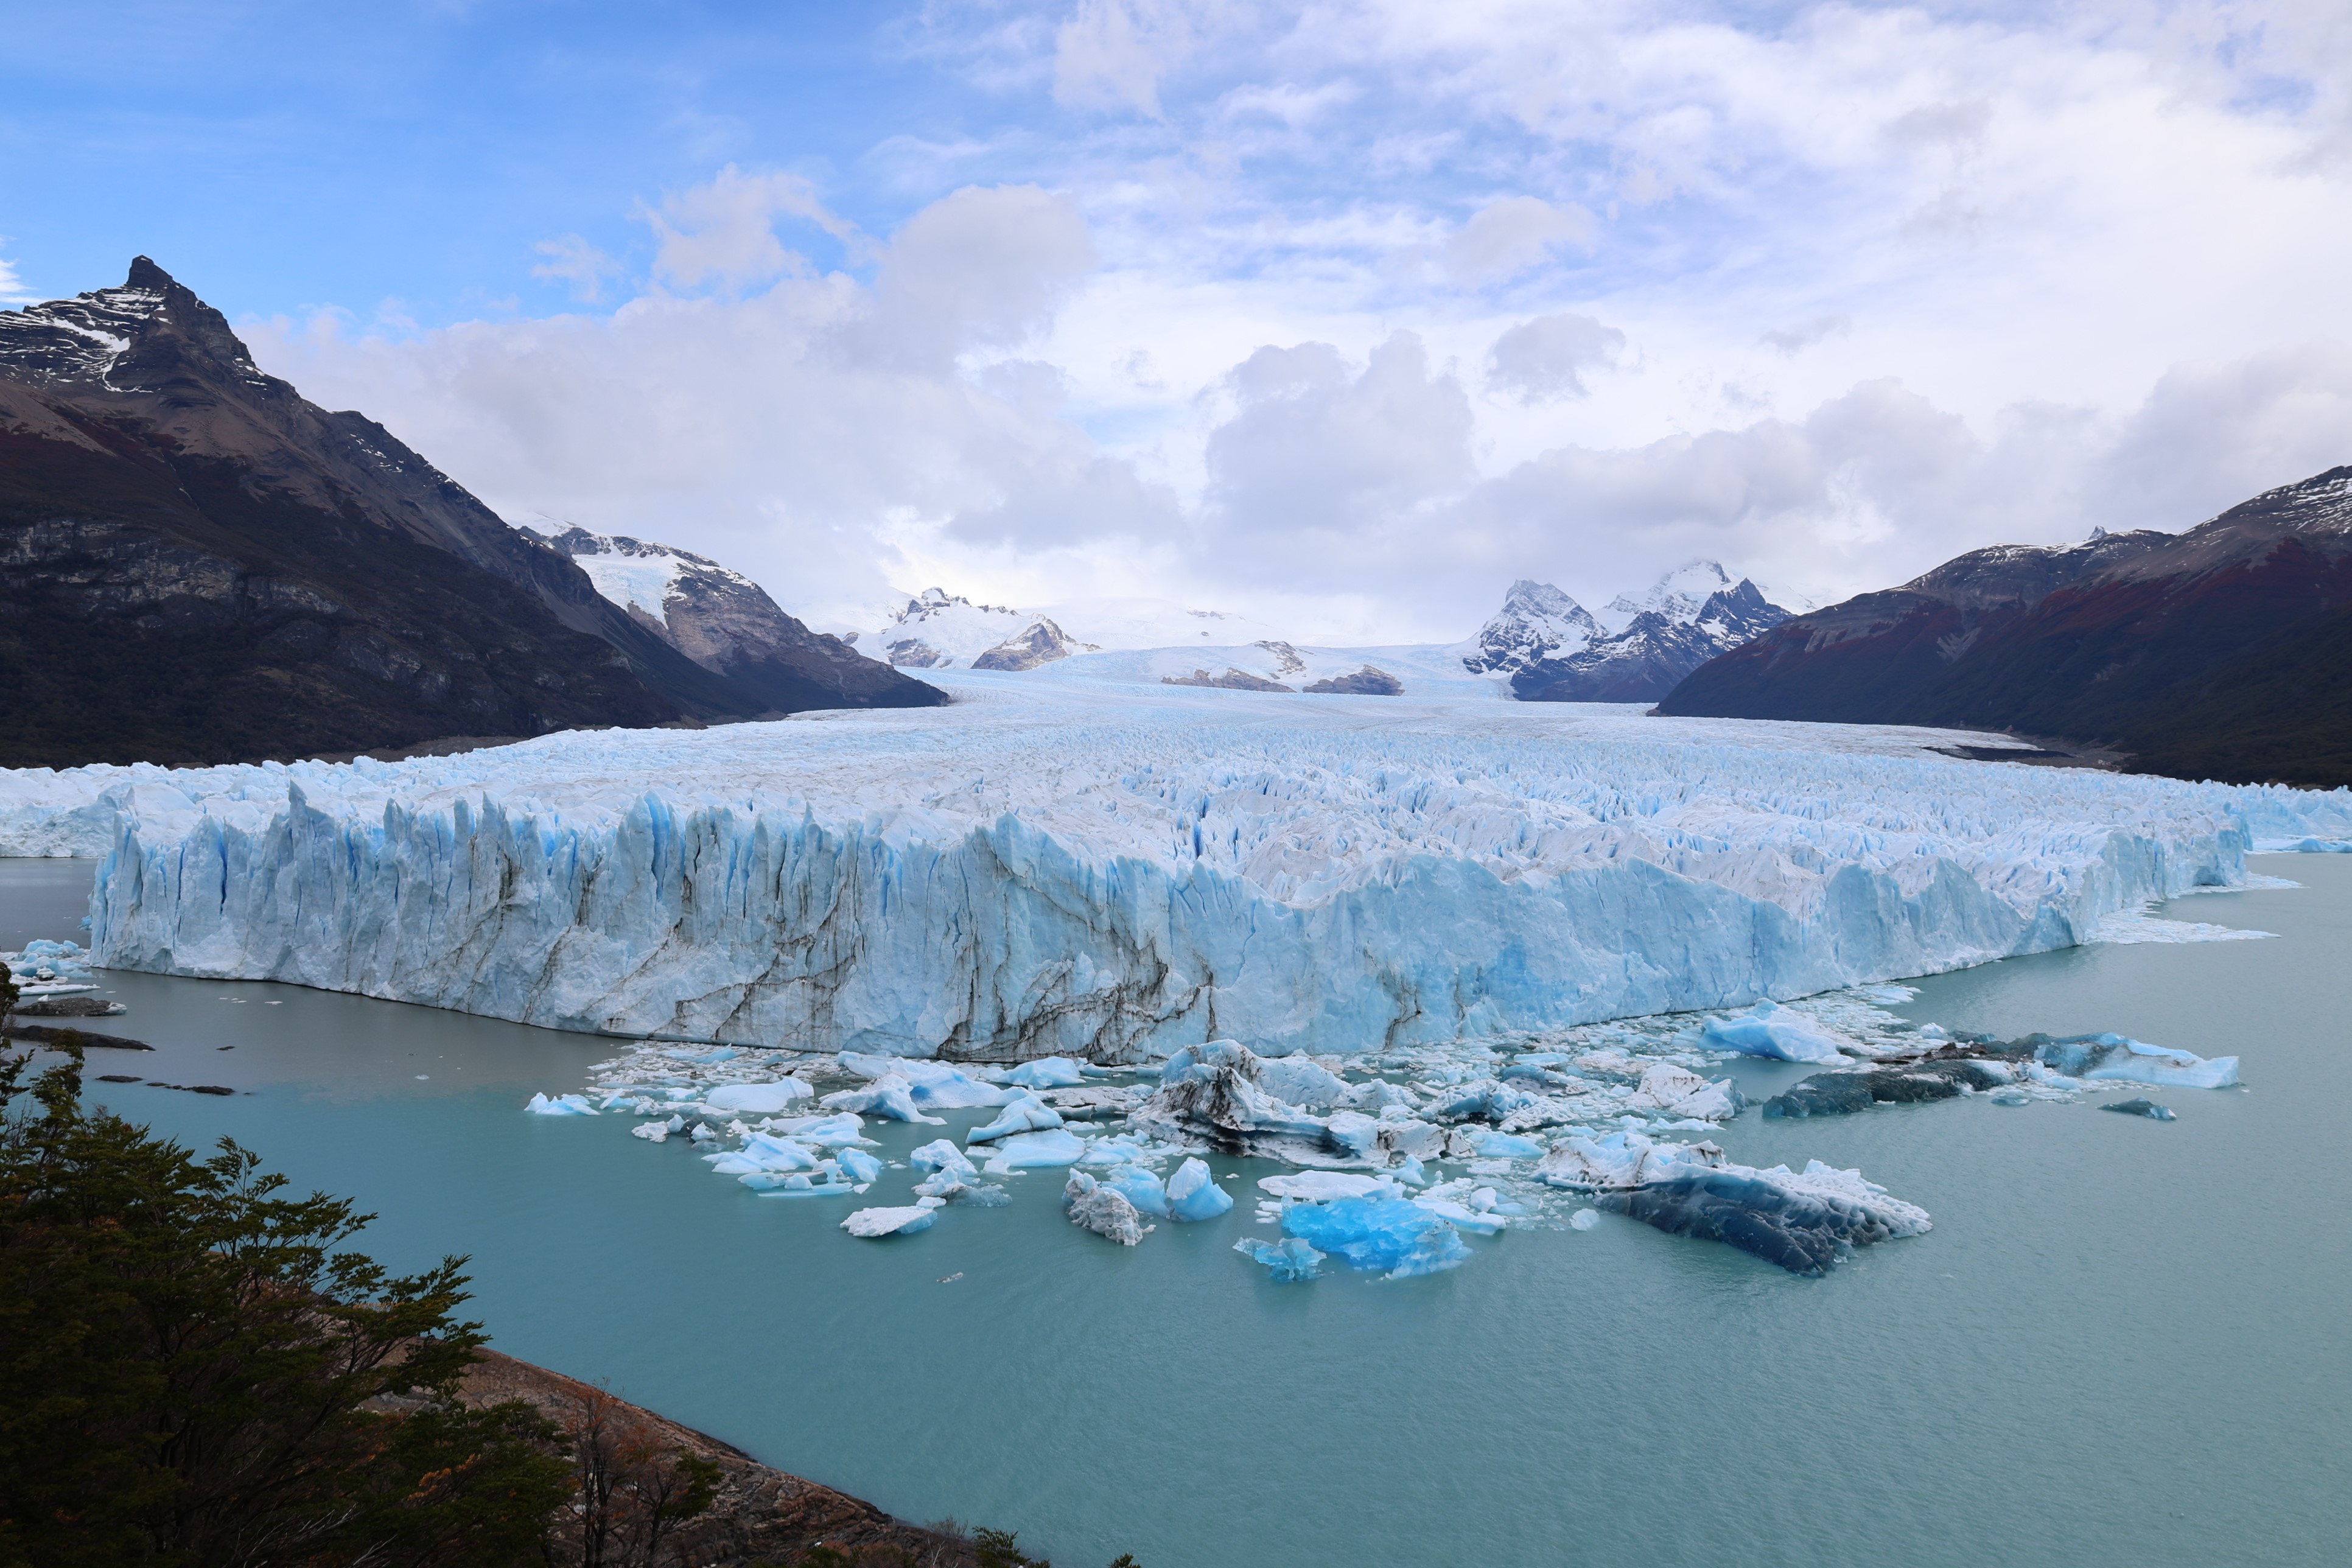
pixel 2123 1343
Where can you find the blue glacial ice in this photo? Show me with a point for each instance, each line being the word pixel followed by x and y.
pixel 1289 1259
pixel 1048 1072
pixel 931 1086
pixel 1193 1194
pixel 1052 869
pixel 1768 1030
pixel 1023 1113
pixel 562 1105
pixel 1395 1237
pixel 890 1098
pixel 1138 1186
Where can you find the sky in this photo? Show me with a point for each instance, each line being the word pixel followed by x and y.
pixel 1340 315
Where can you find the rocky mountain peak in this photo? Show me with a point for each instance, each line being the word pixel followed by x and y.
pixel 1537 622
pixel 149 331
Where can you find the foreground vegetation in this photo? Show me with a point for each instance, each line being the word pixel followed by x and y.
pixel 197 1371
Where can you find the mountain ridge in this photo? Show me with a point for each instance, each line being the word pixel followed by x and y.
pixel 2163 645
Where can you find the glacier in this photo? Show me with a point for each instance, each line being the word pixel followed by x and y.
pixel 1060 866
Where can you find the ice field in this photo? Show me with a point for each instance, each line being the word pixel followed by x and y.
pixel 1065 866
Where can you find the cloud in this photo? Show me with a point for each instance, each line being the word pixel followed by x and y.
pixel 578 263
pixel 12 284
pixel 1540 359
pixel 723 233
pixel 2212 435
pixel 1112 53
pixel 980 269
pixel 1795 340
pixel 1316 450
pixel 1507 237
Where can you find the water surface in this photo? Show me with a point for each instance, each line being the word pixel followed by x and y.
pixel 2122 1343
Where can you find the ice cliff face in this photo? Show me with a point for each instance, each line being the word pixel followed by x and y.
pixel 1112 874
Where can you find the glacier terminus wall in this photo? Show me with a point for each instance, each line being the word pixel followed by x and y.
pixel 1059 867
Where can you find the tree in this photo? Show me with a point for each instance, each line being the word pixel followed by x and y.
pixel 632 1489
pixel 197 1371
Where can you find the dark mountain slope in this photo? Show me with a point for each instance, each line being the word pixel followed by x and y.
pixel 728 623
pixel 1654 652
pixel 2208 652
pixel 196 564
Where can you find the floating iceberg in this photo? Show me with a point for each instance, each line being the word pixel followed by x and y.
pixel 1289 1259
pixel 933 1086
pixel 944 1157
pixel 1843 1093
pixel 1103 1209
pixel 1193 1194
pixel 1046 1072
pixel 891 1098
pixel 1037 1150
pixel 2146 1108
pixel 1768 1031
pixel 1804 1221
pixel 1143 1188
pixel 1024 1114
pixel 1393 1236
pixel 2114 1058
pixel 1036 871
pixel 872 1223
pixel 758 1099
pixel 562 1105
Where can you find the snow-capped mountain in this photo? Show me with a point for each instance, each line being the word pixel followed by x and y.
pixel 939 630
pixel 1537 622
pixel 1636 650
pixel 727 623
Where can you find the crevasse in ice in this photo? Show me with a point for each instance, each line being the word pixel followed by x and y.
pixel 1043 870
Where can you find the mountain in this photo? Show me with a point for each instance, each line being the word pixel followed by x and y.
pixel 2220 652
pixel 197 564
pixel 1554 650
pixel 1537 622
pixel 727 623
pixel 939 630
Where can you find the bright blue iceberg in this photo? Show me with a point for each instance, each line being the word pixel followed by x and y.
pixel 1390 1235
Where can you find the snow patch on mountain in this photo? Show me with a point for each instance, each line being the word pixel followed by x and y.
pixel 939 630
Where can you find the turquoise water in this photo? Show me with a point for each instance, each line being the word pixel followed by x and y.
pixel 2123 1343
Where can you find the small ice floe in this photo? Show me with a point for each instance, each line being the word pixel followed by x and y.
pixel 944 1157
pixel 1807 1222
pixel 1584 1219
pixel 657 1132
pixel 1138 1185
pixel 2123 930
pixel 930 1085
pixel 2146 1108
pixel 1037 1150
pixel 1768 1029
pixel 1046 1072
pixel 1395 1237
pixel 890 1096
pixel 840 1130
pixel 758 1099
pixel 1103 1209
pixel 871 1224
pixel 1194 1194
pixel 562 1105
pixel 1024 1112
pixel 1287 1260
pixel 1323 1187
pixel 2114 1058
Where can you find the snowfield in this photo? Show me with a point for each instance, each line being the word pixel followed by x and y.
pixel 1065 865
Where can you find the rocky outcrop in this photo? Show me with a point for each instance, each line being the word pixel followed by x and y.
pixel 1369 682
pixel 760 1514
pixel 1231 681
pixel 1042 643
